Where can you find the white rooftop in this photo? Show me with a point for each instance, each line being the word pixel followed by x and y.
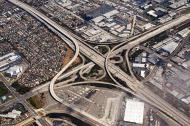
pixel 111 13
pixel 98 19
pixel 14 70
pixel 152 13
pixel 170 47
pixel 14 114
pixel 148 26
pixel 134 111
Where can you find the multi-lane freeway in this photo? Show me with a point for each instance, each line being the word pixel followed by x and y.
pixel 115 70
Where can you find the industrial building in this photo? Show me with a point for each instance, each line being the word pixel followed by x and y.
pixel 134 111
pixel 14 114
pixel 103 9
pixel 8 60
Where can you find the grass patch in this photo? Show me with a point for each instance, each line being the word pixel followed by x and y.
pixel 37 101
pixel 3 89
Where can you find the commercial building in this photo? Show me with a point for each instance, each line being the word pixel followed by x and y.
pixel 134 111
pixel 8 59
pixel 170 47
pixel 103 9
pixel 178 4
pixel 14 114
pixel 183 33
pixel 140 65
pixel 14 71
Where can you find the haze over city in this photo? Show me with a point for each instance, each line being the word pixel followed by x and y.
pixel 94 62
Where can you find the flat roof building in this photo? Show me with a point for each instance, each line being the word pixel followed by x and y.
pixel 134 111
pixel 14 114
pixel 111 13
pixel 184 33
pixel 178 4
pixel 103 9
pixel 14 70
pixel 98 19
pixel 139 65
pixel 170 47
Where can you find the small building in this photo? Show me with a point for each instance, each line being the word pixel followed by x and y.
pixel 165 19
pixel 129 26
pixel 152 13
pixel 94 31
pixel 138 59
pixel 114 32
pixel 98 19
pixel 148 26
pixel 110 24
pixel 139 65
pixel 134 111
pixel 143 73
pixel 153 59
pixel 124 35
pixel 144 54
pixel 120 29
pixel 144 60
pixel 117 26
pixel 186 100
pixel 111 13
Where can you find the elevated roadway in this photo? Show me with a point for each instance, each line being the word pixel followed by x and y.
pixel 152 33
pixel 116 71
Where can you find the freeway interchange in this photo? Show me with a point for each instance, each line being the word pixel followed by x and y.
pixel 113 71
